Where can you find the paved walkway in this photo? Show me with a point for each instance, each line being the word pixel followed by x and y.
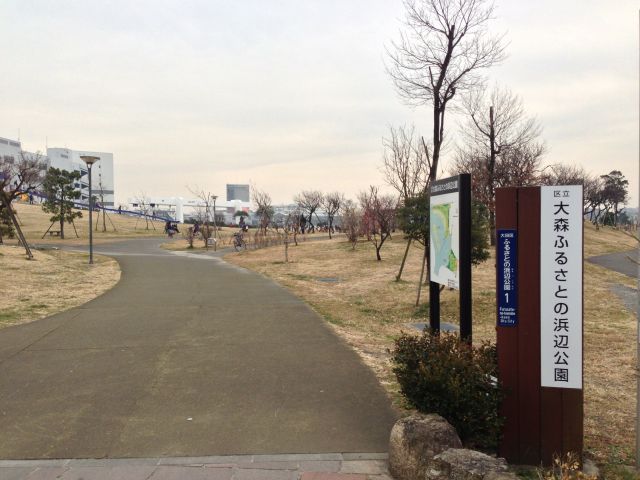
pixel 618 262
pixel 187 356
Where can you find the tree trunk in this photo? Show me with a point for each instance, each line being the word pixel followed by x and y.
pixel 404 259
pixel 61 223
pixel 330 226
pixel 492 169
pixel 437 141
pixel 424 260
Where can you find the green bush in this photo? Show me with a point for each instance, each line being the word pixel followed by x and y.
pixel 440 374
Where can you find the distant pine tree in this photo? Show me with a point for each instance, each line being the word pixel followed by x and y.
pixel 59 189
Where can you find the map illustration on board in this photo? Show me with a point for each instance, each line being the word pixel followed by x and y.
pixel 441 237
pixel 444 222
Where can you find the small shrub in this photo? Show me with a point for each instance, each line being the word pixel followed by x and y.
pixel 440 374
pixel 565 468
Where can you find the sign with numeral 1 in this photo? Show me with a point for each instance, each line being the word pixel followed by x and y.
pixel 507 274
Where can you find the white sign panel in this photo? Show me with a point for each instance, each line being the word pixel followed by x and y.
pixel 444 231
pixel 561 286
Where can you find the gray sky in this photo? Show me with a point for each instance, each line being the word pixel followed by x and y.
pixel 291 94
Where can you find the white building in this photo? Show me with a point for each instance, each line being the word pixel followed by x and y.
pixel 179 208
pixel 101 173
pixel 10 150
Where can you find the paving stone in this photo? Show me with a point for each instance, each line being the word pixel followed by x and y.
pixel 45 473
pixel 15 473
pixel 136 462
pixel 107 473
pixel 379 477
pixel 365 456
pixel 210 460
pixel 297 457
pixel 369 467
pixel 33 463
pixel 332 476
pixel 270 465
pixel 191 473
pixel 257 474
pixel 89 462
pixel 320 466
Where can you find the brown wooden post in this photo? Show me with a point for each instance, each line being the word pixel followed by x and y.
pixel 507 218
pixel 529 323
pixel 540 421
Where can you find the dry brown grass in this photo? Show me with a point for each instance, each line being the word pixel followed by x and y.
pixel 225 239
pixel 179 243
pixel 605 240
pixel 34 222
pixel 50 283
pixel 369 309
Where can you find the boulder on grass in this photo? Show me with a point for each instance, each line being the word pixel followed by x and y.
pixel 415 440
pixel 463 464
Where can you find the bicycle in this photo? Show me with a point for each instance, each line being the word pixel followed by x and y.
pixel 239 242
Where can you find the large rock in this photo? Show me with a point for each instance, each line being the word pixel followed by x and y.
pixel 415 440
pixel 462 464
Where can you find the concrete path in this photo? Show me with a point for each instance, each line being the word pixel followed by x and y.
pixel 186 356
pixel 618 262
pixel 327 466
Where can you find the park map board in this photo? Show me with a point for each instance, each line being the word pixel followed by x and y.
pixel 444 227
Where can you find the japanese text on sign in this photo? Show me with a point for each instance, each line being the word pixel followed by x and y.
pixel 561 286
pixel 507 278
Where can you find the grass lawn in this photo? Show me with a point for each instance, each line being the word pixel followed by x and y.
pixel 34 223
pixel 360 299
pixel 50 283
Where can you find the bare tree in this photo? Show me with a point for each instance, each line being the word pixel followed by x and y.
pixel 381 216
pixel 309 201
pixel 17 177
pixel 498 127
pixel 331 203
pixel 351 222
pixel 208 200
pixel 443 52
pixel 560 174
pixel 291 227
pixel 406 167
pixel 405 162
pixel 515 167
pixel 102 210
pixel 264 208
pixel 145 209
pixel 22 175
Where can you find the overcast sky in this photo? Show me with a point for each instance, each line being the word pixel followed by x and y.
pixel 291 94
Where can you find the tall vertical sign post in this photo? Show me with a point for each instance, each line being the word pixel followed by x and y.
pixel 539 321
pixel 450 247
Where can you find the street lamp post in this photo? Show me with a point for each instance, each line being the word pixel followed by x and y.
pixel 215 227
pixel 90 160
